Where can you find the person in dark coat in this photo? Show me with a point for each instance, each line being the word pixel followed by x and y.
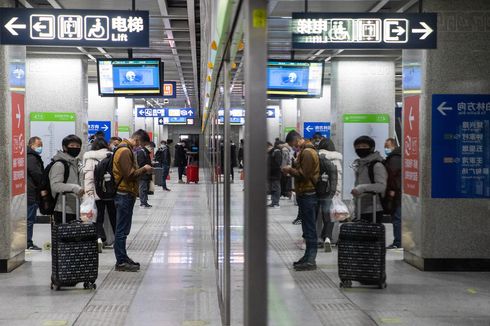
pixel 164 159
pixel 35 168
pixel 393 165
pixel 180 159
pixel 274 163
pixel 143 158
pixel 240 154
pixel 233 158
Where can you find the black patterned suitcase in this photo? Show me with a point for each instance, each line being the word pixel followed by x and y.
pixel 75 258
pixel 362 252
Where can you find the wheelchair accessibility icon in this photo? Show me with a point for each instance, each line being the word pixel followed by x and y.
pixel 96 28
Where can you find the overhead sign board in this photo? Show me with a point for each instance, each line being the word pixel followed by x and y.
pixel 66 27
pixel 364 30
pixel 175 121
pixel 460 146
pixel 165 112
pixel 95 126
pixel 310 128
pixel 169 89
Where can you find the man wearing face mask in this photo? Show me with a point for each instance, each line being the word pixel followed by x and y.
pixel 143 156
pixel 365 183
pixel 71 149
pixel 393 165
pixel 35 168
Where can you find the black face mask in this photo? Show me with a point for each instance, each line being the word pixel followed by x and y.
pixel 73 152
pixel 363 152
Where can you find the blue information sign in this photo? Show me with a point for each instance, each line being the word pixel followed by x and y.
pixel 105 126
pixel 310 128
pixel 271 113
pixel 460 146
pixel 69 27
pixel 165 112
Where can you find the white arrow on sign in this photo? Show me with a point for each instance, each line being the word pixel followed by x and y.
pixel 11 26
pixel 426 30
pixel 309 128
pixel 18 116
pixel 38 27
pixel 142 112
pixel 270 113
pixel 411 117
pixel 105 128
pixel 399 31
pixel 442 108
pixel 190 112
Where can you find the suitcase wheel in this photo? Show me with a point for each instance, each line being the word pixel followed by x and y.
pixel 382 285
pixel 347 284
pixel 55 287
pixel 89 285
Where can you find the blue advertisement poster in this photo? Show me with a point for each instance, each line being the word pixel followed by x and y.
pixel 310 128
pixel 105 126
pixel 461 146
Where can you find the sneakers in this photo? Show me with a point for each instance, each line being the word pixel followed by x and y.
pixel 393 247
pixel 300 261
pixel 327 245
pixel 33 247
pixel 305 266
pixel 166 189
pixel 126 267
pixel 273 206
pixel 297 221
pixel 320 245
pixel 146 206
pixel 100 245
pixel 181 181
pixel 132 262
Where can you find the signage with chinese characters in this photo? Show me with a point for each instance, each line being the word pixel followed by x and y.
pixel 67 27
pixel 165 112
pixel 175 121
pixel 95 126
pixel 460 146
pixel 364 30
pixel 18 145
pixel 411 143
pixel 169 89
pixel 310 128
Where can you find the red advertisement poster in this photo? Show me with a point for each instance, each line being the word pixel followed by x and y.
pixel 411 164
pixel 18 145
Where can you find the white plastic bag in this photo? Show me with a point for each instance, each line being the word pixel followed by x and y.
pixel 88 209
pixel 338 210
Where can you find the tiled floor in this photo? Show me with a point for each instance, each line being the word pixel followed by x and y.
pixel 177 282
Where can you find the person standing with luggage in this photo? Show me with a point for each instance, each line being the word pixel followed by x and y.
pixel 371 177
pixel 35 168
pixel 393 197
pixel 99 151
pixel 163 158
pixel 67 158
pixel 274 158
pixel 143 157
pixel 306 172
pixel 180 159
pixel 126 174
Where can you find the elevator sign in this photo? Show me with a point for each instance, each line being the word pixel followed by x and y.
pixel 364 30
pixel 63 27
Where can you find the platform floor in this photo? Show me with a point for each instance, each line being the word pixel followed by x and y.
pixel 177 281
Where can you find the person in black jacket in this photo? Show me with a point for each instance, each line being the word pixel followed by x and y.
pixel 393 165
pixel 35 168
pixel 240 154
pixel 143 158
pixel 180 159
pixel 164 159
pixel 274 159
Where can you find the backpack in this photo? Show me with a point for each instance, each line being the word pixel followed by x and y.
pixel 326 185
pixel 104 181
pixel 47 202
pixel 386 202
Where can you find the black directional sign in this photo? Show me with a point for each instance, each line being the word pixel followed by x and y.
pixel 364 30
pixel 91 28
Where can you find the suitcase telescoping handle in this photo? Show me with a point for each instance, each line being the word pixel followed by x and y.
pixel 375 204
pixel 63 206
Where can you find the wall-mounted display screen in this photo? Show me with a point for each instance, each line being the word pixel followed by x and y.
pixel 130 77
pixel 290 79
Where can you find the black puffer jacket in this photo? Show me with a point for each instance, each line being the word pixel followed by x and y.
pixel 35 168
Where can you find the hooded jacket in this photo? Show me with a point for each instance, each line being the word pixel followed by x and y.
pixel 306 170
pixel 336 159
pixel 35 168
pixel 72 185
pixel 363 182
pixel 90 161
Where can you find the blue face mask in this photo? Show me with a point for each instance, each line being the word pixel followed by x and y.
pixel 388 151
pixel 39 150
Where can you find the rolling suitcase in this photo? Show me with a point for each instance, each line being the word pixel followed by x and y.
pixel 74 254
pixel 362 252
pixel 192 173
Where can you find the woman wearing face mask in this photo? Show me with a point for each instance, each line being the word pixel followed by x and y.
pixel 368 159
pixel 68 156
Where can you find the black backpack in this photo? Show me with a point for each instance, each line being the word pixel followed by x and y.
pixel 47 202
pixel 326 185
pixel 105 183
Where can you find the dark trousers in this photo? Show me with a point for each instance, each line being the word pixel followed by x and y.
pixel 307 205
pixel 144 186
pixel 181 170
pixel 58 217
pixel 166 171
pixel 102 205
pixel 124 208
pixel 396 219
pixel 275 191
pixel 286 185
pixel 31 220
pixel 324 226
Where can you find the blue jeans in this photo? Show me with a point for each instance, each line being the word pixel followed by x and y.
pixel 124 212
pixel 396 219
pixel 31 219
pixel 307 206
pixel 166 170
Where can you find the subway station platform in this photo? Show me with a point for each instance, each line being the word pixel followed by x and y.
pixel 177 281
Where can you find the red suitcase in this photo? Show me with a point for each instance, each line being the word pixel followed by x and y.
pixel 192 173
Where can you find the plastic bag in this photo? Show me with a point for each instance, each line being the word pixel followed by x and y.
pixel 338 210
pixel 88 209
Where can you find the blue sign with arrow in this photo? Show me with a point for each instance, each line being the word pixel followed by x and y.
pixel 310 128
pixel 165 112
pixel 460 146
pixel 105 126
pixel 271 113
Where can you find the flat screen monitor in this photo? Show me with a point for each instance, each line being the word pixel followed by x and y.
pixel 130 77
pixel 291 79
